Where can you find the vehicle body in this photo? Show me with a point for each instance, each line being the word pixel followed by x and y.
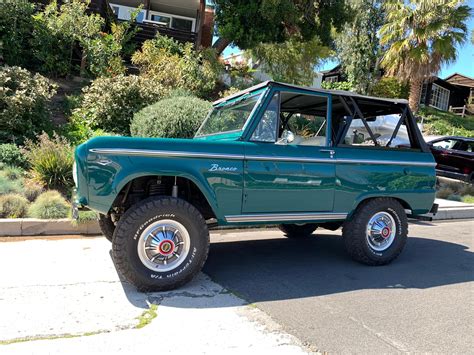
pixel 454 157
pixel 273 154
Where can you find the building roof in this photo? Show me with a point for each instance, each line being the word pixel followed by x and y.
pixel 461 80
pixel 332 92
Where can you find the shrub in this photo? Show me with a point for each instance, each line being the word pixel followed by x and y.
pixel 391 88
pixel 109 103
pixel 51 162
pixel 454 197
pixel 15 31
pixel 436 122
pixel 8 186
pixel 177 65
pixel 49 205
pixel 177 117
pixel 11 155
pixel 31 189
pixel 468 199
pixel 13 173
pixel 13 206
pixel 338 85
pixel 23 103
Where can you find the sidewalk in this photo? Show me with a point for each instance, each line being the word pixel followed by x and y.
pixel 63 296
pixel 453 210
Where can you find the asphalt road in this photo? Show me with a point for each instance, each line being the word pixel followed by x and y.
pixel 422 302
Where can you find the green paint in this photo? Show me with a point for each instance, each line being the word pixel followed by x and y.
pixel 147 316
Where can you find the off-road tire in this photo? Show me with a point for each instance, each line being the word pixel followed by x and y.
pixel 106 226
pixel 355 238
pixel 129 229
pixel 298 231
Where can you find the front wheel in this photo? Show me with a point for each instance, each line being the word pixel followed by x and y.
pixel 377 232
pixel 160 244
pixel 298 230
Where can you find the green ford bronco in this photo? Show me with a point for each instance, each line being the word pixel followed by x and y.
pixel 275 153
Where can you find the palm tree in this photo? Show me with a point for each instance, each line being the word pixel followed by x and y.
pixel 420 36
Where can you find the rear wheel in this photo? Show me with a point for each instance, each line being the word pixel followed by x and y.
pixel 160 244
pixel 377 232
pixel 298 230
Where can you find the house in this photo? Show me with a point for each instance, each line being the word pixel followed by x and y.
pixel 455 91
pixel 183 20
pixel 333 75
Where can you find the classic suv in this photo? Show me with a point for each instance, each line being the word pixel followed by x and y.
pixel 455 157
pixel 273 154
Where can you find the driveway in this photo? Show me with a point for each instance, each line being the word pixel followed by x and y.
pixel 422 302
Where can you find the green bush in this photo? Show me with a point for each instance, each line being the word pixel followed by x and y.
pixel 31 189
pixel 8 186
pixel 13 206
pixel 109 103
pixel 338 85
pixel 51 161
pixel 391 88
pixel 15 31
pixel 436 122
pixel 23 102
pixel 49 205
pixel 11 155
pixel 177 65
pixel 468 199
pixel 13 173
pixel 177 117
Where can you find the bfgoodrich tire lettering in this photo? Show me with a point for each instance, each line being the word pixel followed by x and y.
pixel 130 229
pixel 298 231
pixel 357 239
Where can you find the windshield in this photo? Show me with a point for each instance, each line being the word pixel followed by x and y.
pixel 229 116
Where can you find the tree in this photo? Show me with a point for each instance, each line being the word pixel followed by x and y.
pixel 358 45
pixel 421 35
pixel 248 23
pixel 292 61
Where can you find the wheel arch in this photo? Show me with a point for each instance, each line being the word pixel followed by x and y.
pixel 366 199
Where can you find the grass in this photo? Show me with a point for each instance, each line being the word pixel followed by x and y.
pixel 147 316
pixel 468 199
pixel 441 123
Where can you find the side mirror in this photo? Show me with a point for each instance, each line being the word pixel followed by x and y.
pixel 286 137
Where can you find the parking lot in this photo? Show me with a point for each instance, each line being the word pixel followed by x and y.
pixel 63 294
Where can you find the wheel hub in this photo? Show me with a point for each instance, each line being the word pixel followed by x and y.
pixel 163 245
pixel 381 231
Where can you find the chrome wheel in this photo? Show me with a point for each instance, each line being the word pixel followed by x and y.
pixel 164 245
pixel 381 231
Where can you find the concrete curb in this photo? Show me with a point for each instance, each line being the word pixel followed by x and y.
pixel 32 226
pixel 454 213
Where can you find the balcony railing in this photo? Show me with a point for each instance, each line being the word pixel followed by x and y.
pixel 148 31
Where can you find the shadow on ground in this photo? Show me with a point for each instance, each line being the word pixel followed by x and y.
pixel 279 269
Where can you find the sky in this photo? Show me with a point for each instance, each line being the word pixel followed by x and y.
pixel 464 63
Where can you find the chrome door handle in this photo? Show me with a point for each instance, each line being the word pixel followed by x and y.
pixel 330 151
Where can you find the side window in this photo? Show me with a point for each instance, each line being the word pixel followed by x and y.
pixel 303 119
pixel 367 123
pixel 266 130
pixel 445 144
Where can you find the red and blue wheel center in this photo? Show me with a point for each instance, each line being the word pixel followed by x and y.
pixel 166 247
pixel 386 231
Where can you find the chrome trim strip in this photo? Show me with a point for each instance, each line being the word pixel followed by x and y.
pixel 184 154
pixel 337 160
pixel 277 217
pixel 164 153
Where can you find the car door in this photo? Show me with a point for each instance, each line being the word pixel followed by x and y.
pixel 284 175
pixel 443 151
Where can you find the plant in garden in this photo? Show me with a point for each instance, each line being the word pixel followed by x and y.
pixel 56 32
pixel 23 104
pixel 436 122
pixel 15 31
pixel 31 189
pixel 338 85
pixel 51 161
pixel 358 46
pixel 176 117
pixel 49 205
pixel 9 186
pixel 177 65
pixel 13 206
pixel 11 154
pixel 109 103
pixel 292 61
pixel 391 88
pixel 421 36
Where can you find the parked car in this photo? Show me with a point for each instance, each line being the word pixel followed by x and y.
pixel 272 154
pixel 454 157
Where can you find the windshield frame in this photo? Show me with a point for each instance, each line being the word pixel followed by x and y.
pixel 260 92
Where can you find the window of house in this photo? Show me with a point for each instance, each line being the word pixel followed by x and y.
pixel 182 24
pixel 116 10
pixel 439 97
pixel 161 20
pixel 331 79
